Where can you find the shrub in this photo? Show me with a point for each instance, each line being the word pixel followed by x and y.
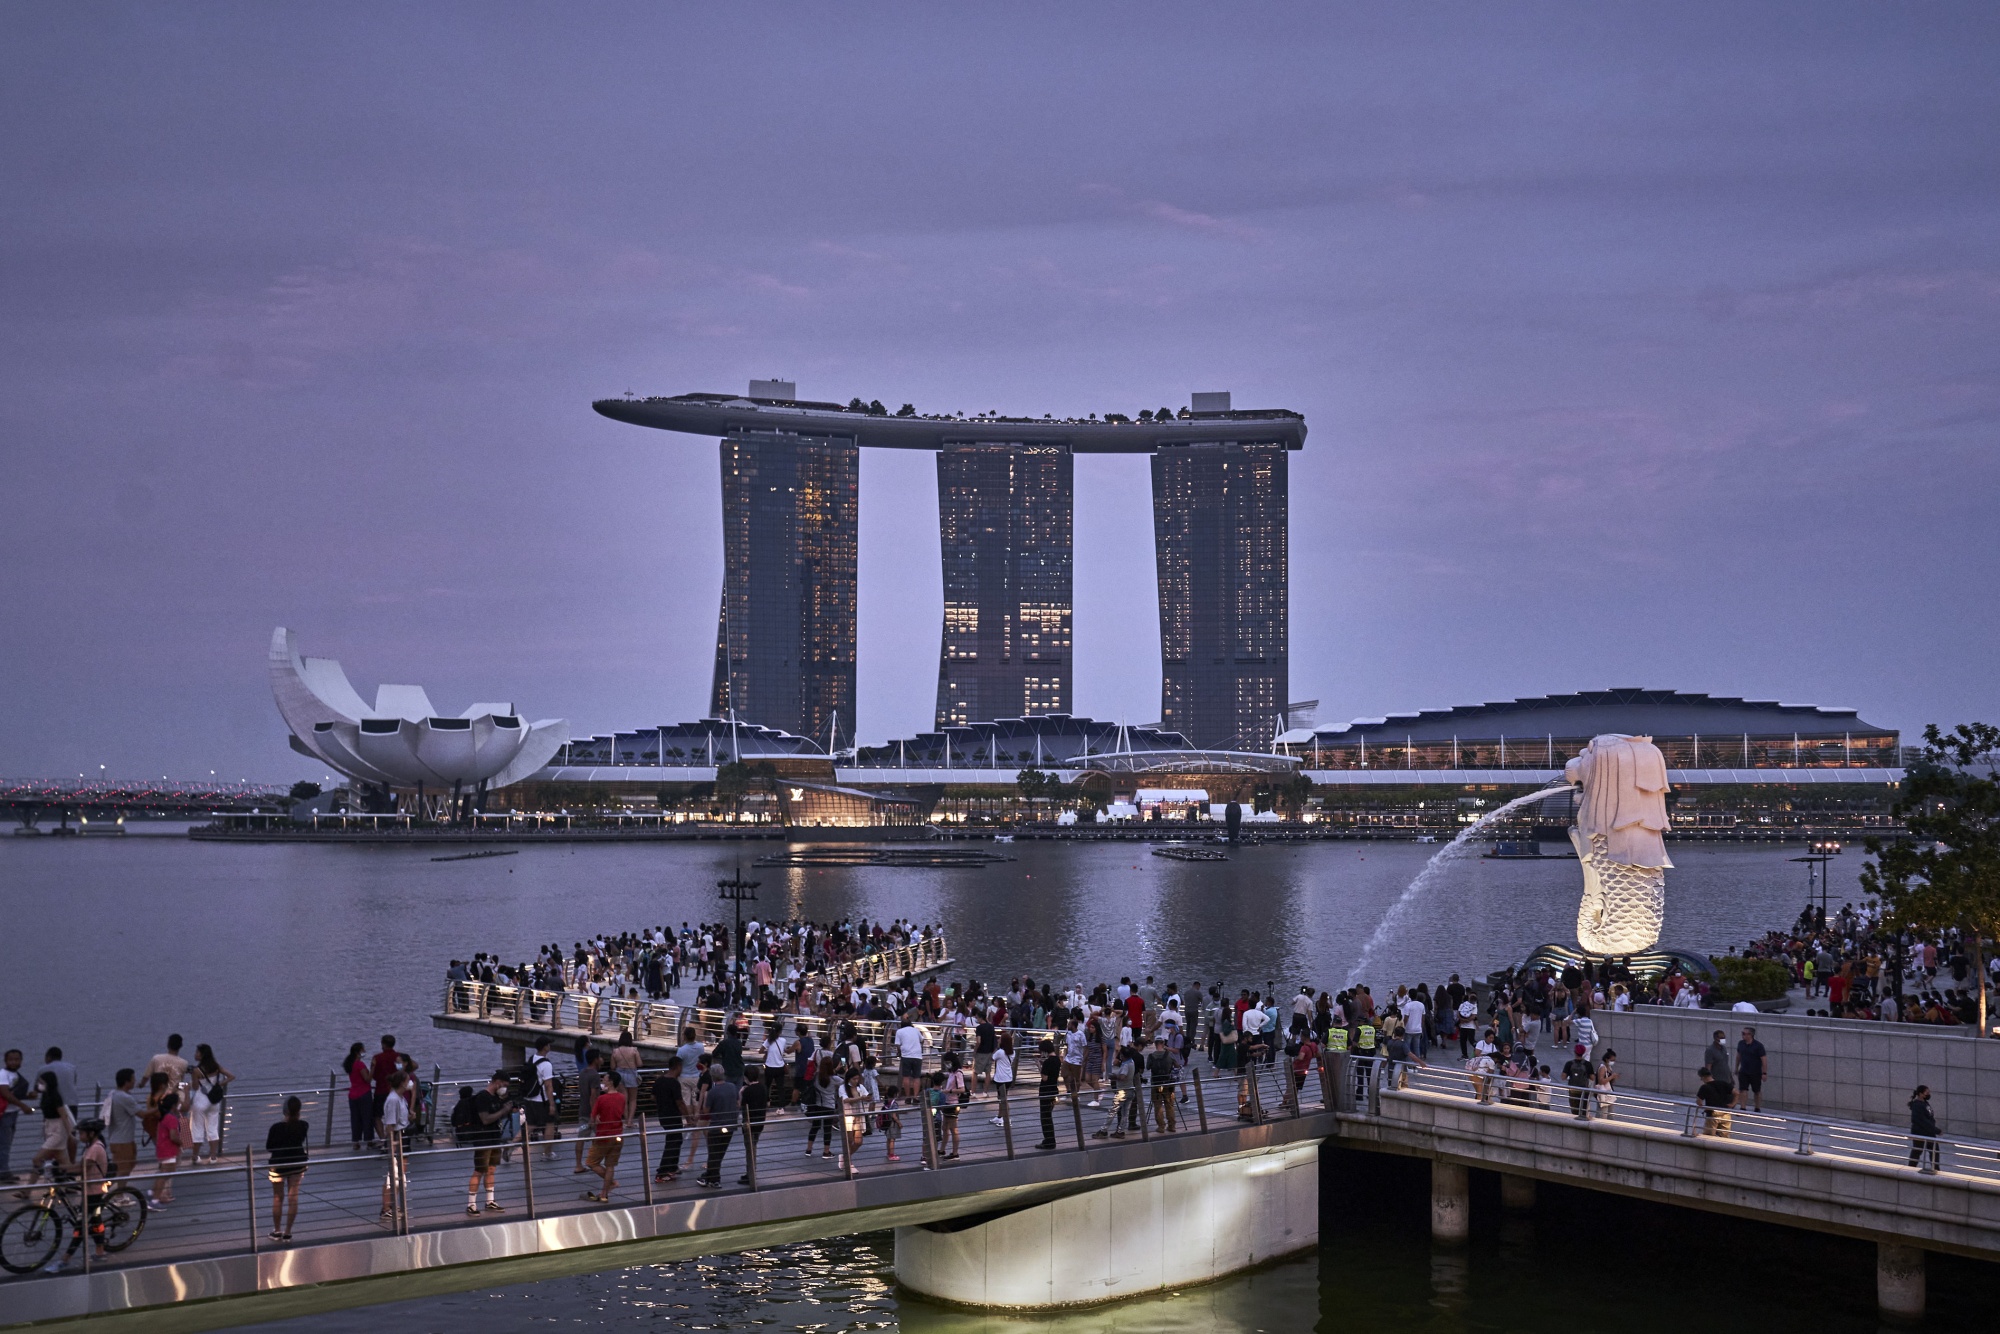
pixel 1739 979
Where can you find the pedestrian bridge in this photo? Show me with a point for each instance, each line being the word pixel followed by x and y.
pixel 1006 1223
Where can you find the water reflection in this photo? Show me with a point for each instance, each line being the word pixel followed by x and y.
pixel 1283 1298
pixel 1451 1277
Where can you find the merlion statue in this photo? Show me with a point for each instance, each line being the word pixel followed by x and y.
pixel 1621 823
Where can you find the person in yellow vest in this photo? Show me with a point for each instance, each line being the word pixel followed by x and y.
pixel 1364 1056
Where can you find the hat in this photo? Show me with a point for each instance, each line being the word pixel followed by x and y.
pixel 91 1125
pixel 1580 1049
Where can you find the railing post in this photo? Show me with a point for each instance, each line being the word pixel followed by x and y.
pixel 1200 1103
pixel 1006 1122
pixel 84 1209
pixel 749 1146
pixel 1805 1139
pixel 528 1165
pixel 1256 1095
pixel 250 1194
pixel 400 1195
pixel 1076 1114
pixel 840 1115
pixel 332 1087
pixel 645 1156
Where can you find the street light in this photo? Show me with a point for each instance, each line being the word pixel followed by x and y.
pixel 1818 853
pixel 738 891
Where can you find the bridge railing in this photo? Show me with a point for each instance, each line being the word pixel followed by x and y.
pixel 1801 1135
pixel 416 1185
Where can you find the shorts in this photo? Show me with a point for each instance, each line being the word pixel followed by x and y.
pixel 912 1068
pixel 629 1078
pixel 286 1172
pixel 55 1135
pixel 982 1063
pixel 538 1113
pixel 485 1160
pixel 604 1153
pixel 1749 1084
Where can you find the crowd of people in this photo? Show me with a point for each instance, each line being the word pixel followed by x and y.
pixel 772 966
pixel 1859 969
pixel 171 1115
pixel 850 1063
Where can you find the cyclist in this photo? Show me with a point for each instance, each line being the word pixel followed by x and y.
pixel 95 1165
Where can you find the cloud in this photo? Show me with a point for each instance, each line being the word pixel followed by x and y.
pixel 1175 216
pixel 1882 292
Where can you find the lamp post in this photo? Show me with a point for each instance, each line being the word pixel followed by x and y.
pixel 1818 853
pixel 738 891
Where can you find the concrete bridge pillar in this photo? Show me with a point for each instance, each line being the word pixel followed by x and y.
pixel 1451 1202
pixel 1899 1281
pixel 1187 1225
pixel 1517 1193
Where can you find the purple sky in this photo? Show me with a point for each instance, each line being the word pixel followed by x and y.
pixel 1638 348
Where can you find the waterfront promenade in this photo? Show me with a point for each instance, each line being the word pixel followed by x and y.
pixel 207 1258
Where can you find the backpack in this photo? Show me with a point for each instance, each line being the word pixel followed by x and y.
pixel 464 1119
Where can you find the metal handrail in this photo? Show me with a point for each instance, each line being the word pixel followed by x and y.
pixel 571 1012
pixel 1801 1135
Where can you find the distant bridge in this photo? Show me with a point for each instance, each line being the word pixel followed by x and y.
pixel 33 801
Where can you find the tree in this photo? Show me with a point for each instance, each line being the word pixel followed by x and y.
pixel 907 410
pixel 1292 795
pixel 304 791
pixel 1947 873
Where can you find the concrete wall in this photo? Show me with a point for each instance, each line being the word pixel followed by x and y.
pixel 1849 1068
pixel 1185 1226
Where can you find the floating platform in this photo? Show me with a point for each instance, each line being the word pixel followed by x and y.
pixel 1179 854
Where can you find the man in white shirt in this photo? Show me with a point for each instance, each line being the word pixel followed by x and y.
pixel 777 1062
pixel 1413 1024
pixel 910 1056
pixel 1302 1004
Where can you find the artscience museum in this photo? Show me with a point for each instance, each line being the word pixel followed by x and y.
pixel 402 741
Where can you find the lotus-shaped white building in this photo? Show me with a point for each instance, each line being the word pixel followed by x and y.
pixel 402 741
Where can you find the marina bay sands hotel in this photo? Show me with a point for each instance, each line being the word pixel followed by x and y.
pixel 785 635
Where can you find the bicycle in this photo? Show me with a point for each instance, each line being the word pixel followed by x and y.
pixel 31 1235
